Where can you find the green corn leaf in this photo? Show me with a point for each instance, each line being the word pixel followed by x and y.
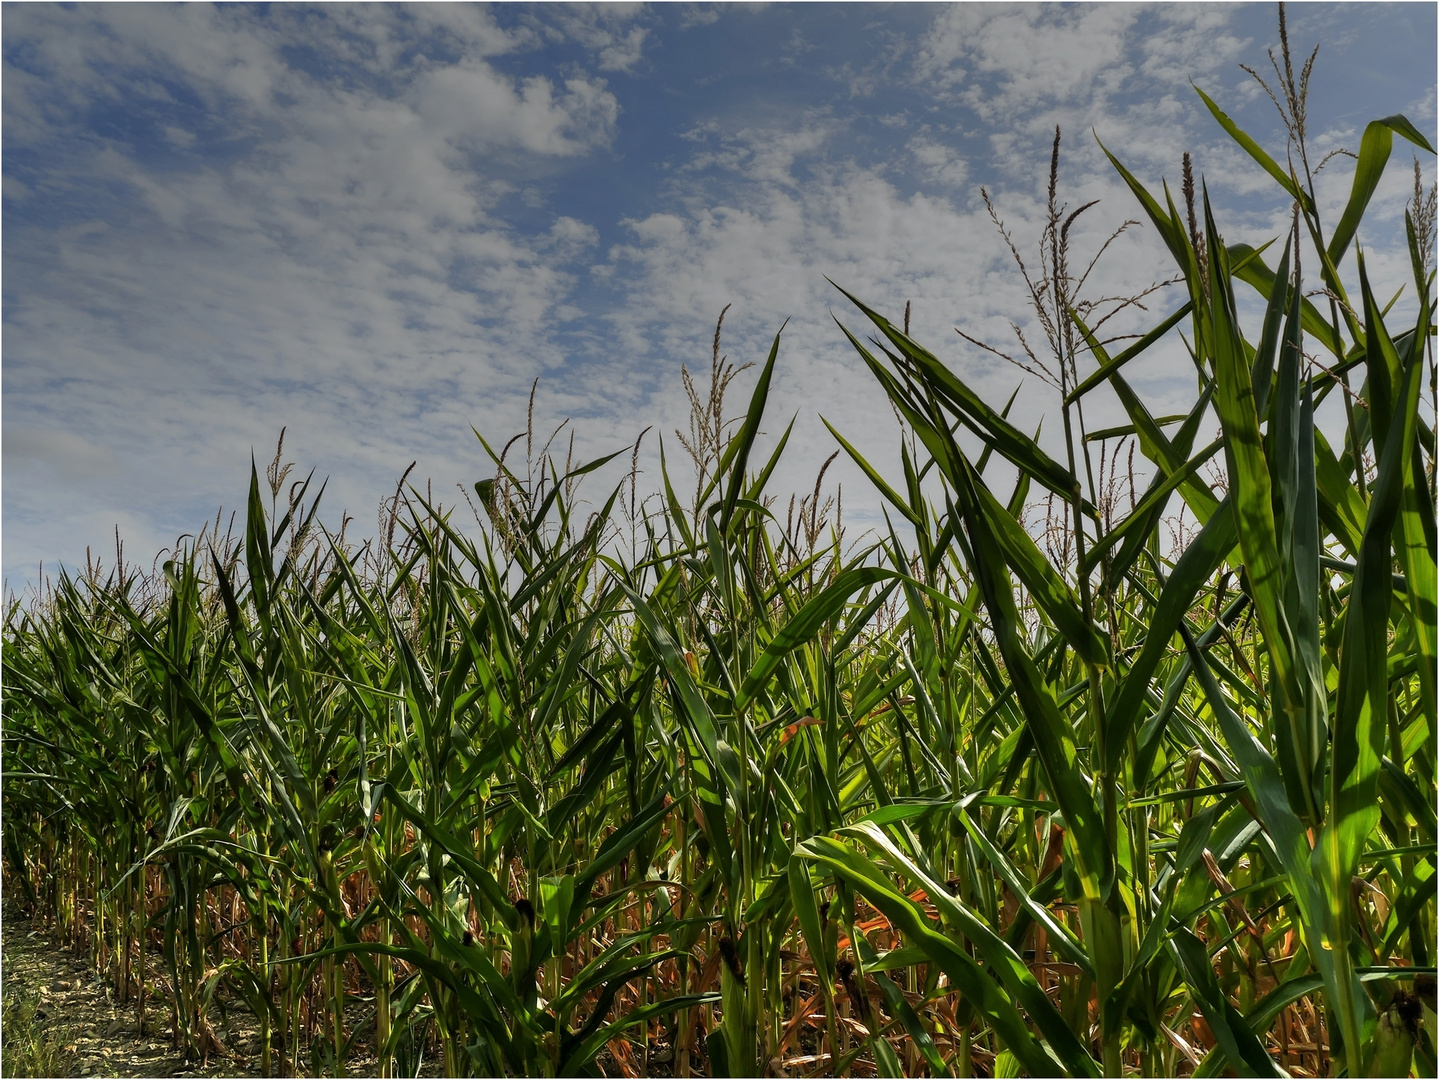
pixel 885 1059
pixel 621 843
pixel 1140 529
pixel 1266 789
pixel 806 623
pixel 1060 937
pixel 1249 480
pixel 1341 507
pixel 582 643
pixel 1250 269
pixel 1205 554
pixel 802 896
pixel 895 499
pixel 676 513
pixel 1303 731
pixel 1418 559
pixel 1160 450
pixel 1254 150
pixel 756 489
pixel 1263 1015
pixel 736 458
pixel 696 710
pixel 1145 510
pixel 1268 350
pixel 259 559
pixel 1382 361
pixel 1360 715
pixel 1288 834
pixel 1108 367
pixel 475 1005
pixel 460 852
pixel 1374 150
pixel 1416 889
pixel 1053 737
pixel 1050 591
pixel 598 766
pixel 1017 979
pixel 984 993
pixel 610 964
pixel 897 1006
pixel 1129 429
pixel 1171 229
pixel 969 408
pixel 1246 1054
pixel 1400 791
pixel 579 1059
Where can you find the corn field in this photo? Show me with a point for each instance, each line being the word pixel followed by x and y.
pixel 686 785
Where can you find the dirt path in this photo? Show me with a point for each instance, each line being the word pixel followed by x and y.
pixel 95 1035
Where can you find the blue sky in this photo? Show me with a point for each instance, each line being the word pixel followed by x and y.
pixel 376 226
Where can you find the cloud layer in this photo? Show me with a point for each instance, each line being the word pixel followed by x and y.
pixel 377 226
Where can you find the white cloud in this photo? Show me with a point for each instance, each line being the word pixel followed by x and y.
pixel 1190 41
pixel 179 136
pixel 938 162
pixel 765 240
pixel 625 52
pixel 760 214
pixel 475 108
pixel 346 220
pixel 347 272
pixel 610 31
pixel 761 154
pixel 63 454
pixel 1035 53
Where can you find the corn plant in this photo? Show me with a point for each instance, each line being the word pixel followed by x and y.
pixel 1335 692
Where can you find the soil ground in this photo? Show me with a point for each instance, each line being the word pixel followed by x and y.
pixel 73 1008
pixel 96 1036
